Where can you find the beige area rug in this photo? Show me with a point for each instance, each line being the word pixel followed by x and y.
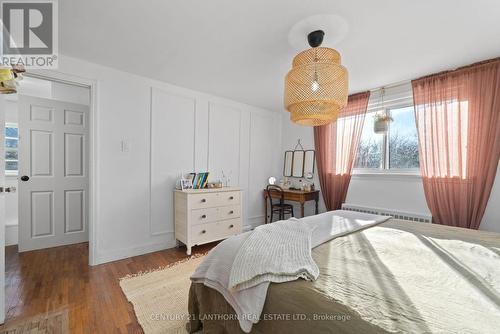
pixel 51 323
pixel 160 297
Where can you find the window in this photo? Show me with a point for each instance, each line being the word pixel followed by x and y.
pixel 396 150
pixel 11 148
pixel 370 146
pixel 403 141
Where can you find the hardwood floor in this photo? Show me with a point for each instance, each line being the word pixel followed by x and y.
pixel 59 278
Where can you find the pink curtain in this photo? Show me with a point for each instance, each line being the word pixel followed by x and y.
pixel 336 145
pixel 458 122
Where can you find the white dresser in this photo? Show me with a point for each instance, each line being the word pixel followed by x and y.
pixel 206 215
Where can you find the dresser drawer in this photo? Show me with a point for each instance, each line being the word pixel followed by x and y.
pixel 202 216
pixel 199 201
pixel 215 231
pixel 229 198
pixel 229 212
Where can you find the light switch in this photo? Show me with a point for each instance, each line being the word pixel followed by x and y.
pixel 125 147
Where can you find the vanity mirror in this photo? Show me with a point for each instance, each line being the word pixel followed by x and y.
pixel 287 168
pixel 299 162
pixel 309 159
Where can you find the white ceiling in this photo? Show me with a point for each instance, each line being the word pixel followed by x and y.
pixel 239 49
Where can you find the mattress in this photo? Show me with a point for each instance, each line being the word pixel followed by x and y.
pixel 397 277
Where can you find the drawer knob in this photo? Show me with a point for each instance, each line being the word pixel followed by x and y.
pixel 231 226
pixel 231 197
pixel 204 216
pixel 203 232
pixel 231 212
pixel 203 200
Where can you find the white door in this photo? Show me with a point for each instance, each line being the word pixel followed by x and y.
pixel 53 173
pixel 2 210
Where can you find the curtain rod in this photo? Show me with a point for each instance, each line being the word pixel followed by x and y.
pixel 400 83
pixel 395 84
pixel 391 85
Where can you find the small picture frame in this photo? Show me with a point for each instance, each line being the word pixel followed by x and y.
pixel 186 184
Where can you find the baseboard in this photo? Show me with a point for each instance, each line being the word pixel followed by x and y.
pixel 253 222
pixel 104 256
pixel 11 235
pixel 120 254
pixel 11 238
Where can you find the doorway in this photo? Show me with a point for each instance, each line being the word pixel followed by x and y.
pixel 47 164
pixel 51 85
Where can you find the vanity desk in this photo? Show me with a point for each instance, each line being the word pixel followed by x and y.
pixel 298 164
pixel 300 196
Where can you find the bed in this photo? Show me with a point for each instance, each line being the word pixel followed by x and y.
pixel 396 277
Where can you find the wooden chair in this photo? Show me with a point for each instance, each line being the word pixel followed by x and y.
pixel 280 208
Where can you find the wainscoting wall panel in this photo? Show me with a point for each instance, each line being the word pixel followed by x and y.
pixel 224 142
pixel 192 134
pixel 263 152
pixel 172 153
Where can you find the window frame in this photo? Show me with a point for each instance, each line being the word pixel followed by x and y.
pixel 397 103
pixel 11 172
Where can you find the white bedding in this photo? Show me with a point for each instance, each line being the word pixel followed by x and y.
pixel 215 270
pixel 278 252
pixel 413 282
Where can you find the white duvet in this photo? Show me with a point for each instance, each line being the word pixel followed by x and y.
pixel 215 270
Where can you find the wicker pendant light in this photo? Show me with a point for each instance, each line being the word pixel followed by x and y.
pixel 316 87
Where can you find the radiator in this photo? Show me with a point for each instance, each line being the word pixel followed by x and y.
pixel 414 217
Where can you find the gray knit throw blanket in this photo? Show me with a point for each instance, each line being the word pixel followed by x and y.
pixel 277 252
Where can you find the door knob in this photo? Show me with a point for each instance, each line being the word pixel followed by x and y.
pixel 25 178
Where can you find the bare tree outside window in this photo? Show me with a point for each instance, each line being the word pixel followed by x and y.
pixel 401 142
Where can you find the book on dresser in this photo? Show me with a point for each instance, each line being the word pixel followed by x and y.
pixel 206 215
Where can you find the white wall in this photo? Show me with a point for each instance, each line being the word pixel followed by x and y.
pixel 2 212
pixel 70 93
pixel 124 225
pixel 11 181
pixel 491 218
pixel 291 133
pixel 396 192
pixel 196 133
pixel 11 212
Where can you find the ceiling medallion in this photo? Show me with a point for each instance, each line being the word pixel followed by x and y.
pixel 316 88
